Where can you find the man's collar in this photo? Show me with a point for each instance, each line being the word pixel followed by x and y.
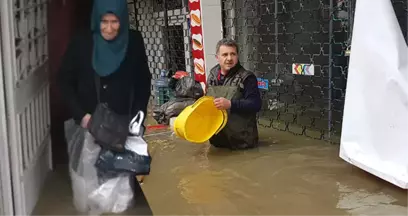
pixel 231 72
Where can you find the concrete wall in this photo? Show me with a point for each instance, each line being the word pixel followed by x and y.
pixel 212 30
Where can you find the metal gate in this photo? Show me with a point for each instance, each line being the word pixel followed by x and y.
pixel 25 64
pixel 288 42
pixel 299 47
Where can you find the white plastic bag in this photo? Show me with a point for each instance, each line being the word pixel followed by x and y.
pixel 91 194
pixel 136 143
pixel 114 196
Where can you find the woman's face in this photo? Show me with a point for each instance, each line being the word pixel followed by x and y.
pixel 109 26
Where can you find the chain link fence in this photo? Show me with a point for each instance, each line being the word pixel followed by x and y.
pixel 165 27
pixel 300 48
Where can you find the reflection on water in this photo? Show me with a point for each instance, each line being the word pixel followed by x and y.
pixel 360 202
pixel 204 187
pixel 285 175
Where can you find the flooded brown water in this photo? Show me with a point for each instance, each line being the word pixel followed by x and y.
pixel 286 175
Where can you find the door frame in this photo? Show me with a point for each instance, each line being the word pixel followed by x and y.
pixel 6 199
pixel 9 66
pixel 28 173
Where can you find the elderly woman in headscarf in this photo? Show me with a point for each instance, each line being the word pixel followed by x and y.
pixel 116 55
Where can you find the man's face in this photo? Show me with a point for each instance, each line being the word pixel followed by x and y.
pixel 109 26
pixel 227 57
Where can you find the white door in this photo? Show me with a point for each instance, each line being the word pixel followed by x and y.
pixel 6 198
pixel 25 63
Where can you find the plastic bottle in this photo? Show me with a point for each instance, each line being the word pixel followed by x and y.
pixel 162 89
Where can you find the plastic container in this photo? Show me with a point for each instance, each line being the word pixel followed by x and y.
pixel 200 121
pixel 162 89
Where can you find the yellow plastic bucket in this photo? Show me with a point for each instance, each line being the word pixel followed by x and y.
pixel 200 121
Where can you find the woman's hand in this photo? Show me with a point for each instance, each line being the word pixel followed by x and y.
pixel 85 121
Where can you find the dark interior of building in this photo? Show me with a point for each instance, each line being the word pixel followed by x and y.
pixel 73 15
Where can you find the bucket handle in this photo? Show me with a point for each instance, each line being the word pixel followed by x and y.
pixel 224 122
pixel 199 100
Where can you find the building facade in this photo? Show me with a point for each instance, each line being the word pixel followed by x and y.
pixel 297 48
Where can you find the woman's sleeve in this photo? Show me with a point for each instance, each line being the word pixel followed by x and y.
pixel 67 80
pixel 143 77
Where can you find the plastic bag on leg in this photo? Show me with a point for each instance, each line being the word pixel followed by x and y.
pixel 113 196
pixel 83 153
pixel 95 191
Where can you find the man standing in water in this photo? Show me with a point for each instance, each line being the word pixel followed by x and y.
pixel 236 90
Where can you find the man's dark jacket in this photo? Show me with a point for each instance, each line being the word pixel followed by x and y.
pixel 240 87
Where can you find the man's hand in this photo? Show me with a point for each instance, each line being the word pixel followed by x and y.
pixel 85 121
pixel 222 103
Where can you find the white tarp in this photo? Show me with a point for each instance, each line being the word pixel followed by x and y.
pixel 375 123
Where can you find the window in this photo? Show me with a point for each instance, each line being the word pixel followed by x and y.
pixel 176 50
pixel 158 5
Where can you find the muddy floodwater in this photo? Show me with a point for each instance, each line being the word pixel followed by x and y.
pixel 286 175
